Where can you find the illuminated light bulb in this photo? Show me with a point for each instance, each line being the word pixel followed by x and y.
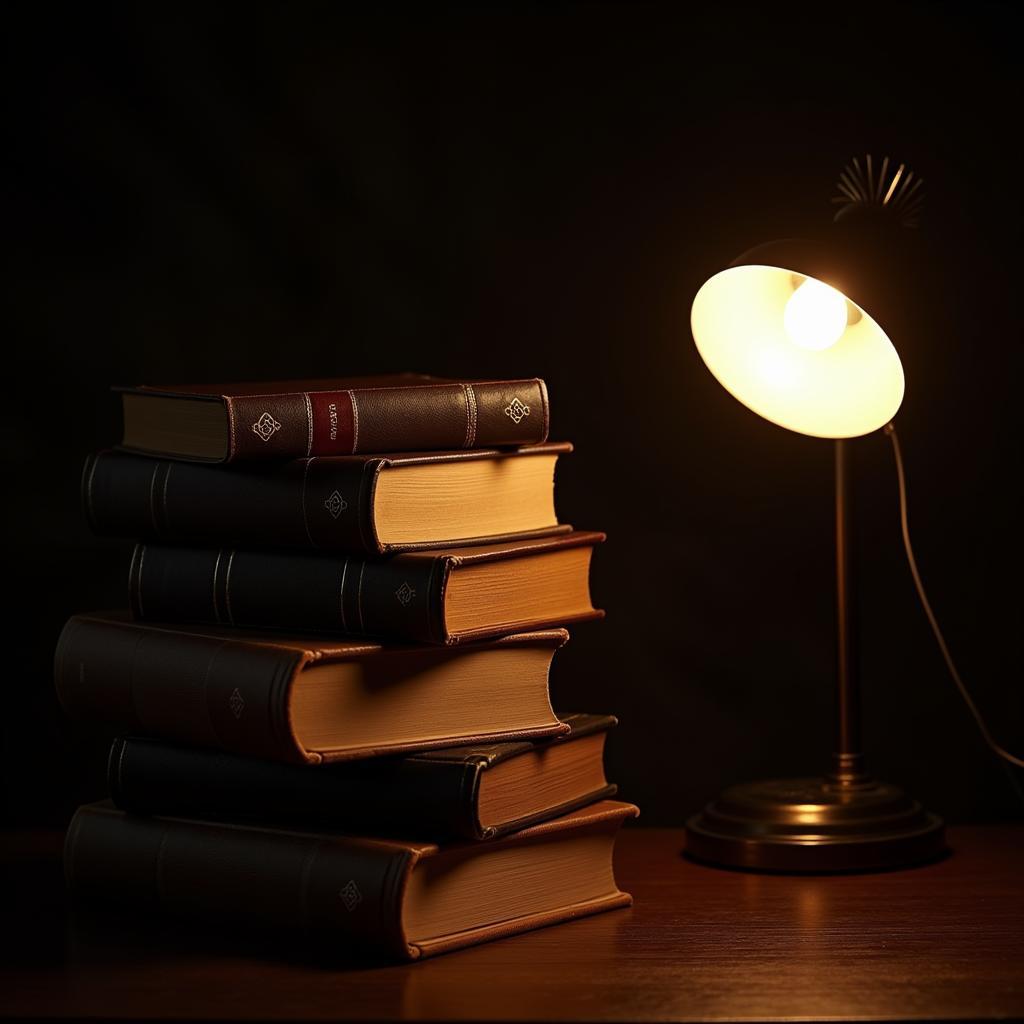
pixel 848 390
pixel 815 316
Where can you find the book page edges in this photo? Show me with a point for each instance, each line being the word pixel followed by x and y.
pixel 587 817
pixel 488 933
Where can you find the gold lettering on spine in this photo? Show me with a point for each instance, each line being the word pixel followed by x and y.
pixel 309 422
pixel 471 415
pixel 355 421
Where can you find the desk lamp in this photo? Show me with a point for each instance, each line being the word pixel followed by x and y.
pixel 796 331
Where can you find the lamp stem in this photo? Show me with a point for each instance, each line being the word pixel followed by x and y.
pixel 848 761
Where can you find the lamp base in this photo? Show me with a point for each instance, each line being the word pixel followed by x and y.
pixel 814 825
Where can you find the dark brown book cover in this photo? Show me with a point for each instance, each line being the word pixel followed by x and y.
pixel 320 503
pixel 351 889
pixel 353 415
pixel 432 795
pixel 228 689
pixel 400 598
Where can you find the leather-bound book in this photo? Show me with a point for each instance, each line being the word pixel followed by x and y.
pixel 404 899
pixel 299 699
pixel 290 419
pixel 478 791
pixel 434 597
pixel 357 504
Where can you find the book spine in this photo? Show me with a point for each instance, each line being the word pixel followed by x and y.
pixel 190 689
pixel 400 599
pixel 431 417
pixel 241 876
pixel 433 798
pixel 308 503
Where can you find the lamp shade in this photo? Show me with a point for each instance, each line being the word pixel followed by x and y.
pixel 783 331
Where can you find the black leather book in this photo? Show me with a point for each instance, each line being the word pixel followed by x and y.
pixel 478 791
pixel 431 597
pixel 361 505
pixel 398 897
pixel 303 699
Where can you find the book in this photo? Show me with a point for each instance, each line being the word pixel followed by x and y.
pixel 333 416
pixel 358 504
pixel 405 899
pixel 478 791
pixel 299 699
pixel 433 597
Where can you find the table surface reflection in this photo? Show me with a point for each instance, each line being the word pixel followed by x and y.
pixel 945 941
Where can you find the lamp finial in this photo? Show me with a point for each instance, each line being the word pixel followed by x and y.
pixel 889 192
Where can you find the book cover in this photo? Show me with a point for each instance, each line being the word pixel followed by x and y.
pixel 433 597
pixel 435 794
pixel 332 416
pixel 358 505
pixel 404 899
pixel 307 700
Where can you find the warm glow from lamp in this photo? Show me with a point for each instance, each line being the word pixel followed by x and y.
pixel 815 316
pixel 797 351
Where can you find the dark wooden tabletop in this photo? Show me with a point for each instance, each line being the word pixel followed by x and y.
pixel 939 942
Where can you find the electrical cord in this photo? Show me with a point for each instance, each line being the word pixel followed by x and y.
pixel 1006 756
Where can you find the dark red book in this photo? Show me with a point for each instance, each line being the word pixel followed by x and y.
pixel 285 419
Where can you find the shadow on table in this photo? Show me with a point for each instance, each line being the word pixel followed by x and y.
pixel 101 935
pixel 52 929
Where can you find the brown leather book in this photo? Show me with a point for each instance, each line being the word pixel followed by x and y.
pixel 288 419
pixel 478 791
pixel 400 899
pixel 432 597
pixel 359 504
pixel 303 700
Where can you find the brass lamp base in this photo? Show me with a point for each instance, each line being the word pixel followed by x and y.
pixel 814 825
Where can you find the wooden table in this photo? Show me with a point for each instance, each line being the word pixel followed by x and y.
pixel 940 942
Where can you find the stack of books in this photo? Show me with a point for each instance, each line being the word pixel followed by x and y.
pixel 331 689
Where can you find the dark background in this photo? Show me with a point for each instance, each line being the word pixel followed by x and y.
pixel 257 191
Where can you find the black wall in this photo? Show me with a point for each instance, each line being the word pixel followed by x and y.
pixel 284 190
